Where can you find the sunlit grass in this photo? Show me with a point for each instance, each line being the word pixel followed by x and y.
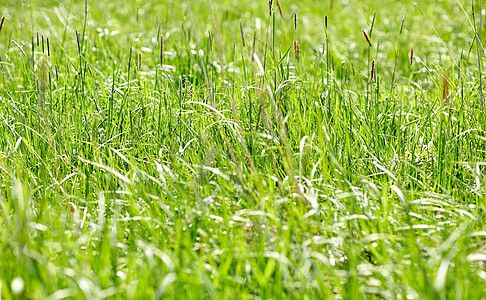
pixel 202 167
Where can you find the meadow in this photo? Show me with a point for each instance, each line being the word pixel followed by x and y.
pixel 242 149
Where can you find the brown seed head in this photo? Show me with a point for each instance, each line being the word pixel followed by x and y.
pixel 372 72
pixel 279 7
pixel 295 20
pixel 366 37
pixel 411 56
pixel 297 50
pixel 1 23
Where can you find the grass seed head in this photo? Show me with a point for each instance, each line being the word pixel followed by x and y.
pixel 372 72
pixel 403 21
pixel 297 50
pixel 411 56
pixel 1 23
pixel 279 8
pixel 366 37
pixel 242 35
pixel 270 4
pixel 295 21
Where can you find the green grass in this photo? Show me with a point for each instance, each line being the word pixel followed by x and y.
pixel 239 171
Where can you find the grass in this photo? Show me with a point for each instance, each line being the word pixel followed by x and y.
pixel 203 166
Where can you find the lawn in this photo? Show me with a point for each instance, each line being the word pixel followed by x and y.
pixel 242 149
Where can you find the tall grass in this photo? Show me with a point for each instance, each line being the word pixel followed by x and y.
pixel 219 149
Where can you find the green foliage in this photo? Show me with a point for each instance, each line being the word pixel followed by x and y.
pixel 230 169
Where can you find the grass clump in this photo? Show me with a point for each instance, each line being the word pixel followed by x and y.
pixel 218 149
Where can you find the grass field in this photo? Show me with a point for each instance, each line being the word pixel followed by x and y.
pixel 210 149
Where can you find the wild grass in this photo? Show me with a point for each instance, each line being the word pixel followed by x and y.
pixel 216 149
